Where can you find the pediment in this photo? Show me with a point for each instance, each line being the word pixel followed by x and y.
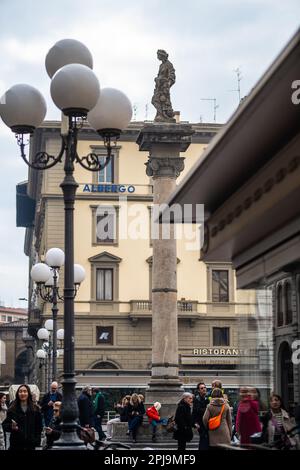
pixel 105 257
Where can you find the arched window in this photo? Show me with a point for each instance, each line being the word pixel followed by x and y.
pixel 279 306
pixel 288 303
pixel 104 365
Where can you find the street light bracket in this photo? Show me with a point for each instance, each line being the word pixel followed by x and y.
pixel 42 160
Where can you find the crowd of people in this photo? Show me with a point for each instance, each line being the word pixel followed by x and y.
pixel 211 415
pixel 219 424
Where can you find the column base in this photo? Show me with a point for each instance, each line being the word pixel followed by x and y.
pixel 168 392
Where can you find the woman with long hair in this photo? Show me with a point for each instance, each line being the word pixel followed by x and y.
pixel 220 410
pixel 277 423
pixel 122 411
pixel 136 410
pixel 247 420
pixel 23 421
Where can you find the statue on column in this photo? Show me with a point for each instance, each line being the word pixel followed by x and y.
pixel 161 98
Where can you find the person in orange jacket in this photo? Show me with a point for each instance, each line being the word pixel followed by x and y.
pixel 154 418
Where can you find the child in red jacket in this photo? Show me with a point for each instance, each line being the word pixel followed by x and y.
pixel 155 419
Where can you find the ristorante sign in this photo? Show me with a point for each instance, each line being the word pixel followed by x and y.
pixel 219 356
pixel 218 352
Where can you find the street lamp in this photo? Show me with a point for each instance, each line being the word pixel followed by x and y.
pixel 49 291
pixel 76 92
pixel 47 352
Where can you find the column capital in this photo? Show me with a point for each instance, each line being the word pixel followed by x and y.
pixel 158 134
pixel 169 167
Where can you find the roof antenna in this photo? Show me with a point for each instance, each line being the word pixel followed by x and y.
pixel 215 105
pixel 239 78
pixel 134 107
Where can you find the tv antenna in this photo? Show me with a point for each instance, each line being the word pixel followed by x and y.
pixel 215 105
pixel 239 78
pixel 134 107
pixel 146 111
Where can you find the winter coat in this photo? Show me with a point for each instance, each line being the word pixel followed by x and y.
pixel 123 411
pixel 48 410
pixel 269 428
pixel 152 414
pixel 55 425
pixel 137 410
pixel 86 411
pixel 99 405
pixel 199 407
pixel 247 420
pixel 183 419
pixel 221 435
pixel 28 436
pixel 3 413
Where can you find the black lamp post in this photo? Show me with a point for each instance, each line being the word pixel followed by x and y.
pixel 76 91
pixel 48 290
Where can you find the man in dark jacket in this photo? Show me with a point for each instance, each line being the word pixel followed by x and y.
pixel 85 405
pixel 99 410
pixel 199 406
pixel 48 401
pixel 53 431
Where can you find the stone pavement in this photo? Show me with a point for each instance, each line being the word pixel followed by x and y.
pixel 165 440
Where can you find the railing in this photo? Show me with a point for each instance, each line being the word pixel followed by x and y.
pixel 146 306
pixel 187 306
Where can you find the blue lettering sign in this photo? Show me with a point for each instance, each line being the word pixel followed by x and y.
pixel 108 188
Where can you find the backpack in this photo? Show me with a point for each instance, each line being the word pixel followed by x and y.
pixel 214 423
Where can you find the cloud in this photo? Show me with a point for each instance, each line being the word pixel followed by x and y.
pixel 206 41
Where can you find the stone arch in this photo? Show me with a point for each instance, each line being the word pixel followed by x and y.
pixel 286 374
pixel 104 364
pixel 21 367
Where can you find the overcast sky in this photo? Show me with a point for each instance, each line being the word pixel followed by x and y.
pixel 206 42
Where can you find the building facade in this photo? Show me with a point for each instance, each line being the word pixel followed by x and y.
pixel 254 218
pixel 17 363
pixel 112 233
pixel 7 314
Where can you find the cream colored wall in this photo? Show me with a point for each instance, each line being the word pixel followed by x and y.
pixel 133 270
pixel 131 163
pixel 192 155
pixel 191 274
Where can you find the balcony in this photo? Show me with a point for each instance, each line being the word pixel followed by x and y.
pixel 143 309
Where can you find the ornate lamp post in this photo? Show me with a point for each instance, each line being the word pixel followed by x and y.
pixel 46 354
pixel 76 92
pixel 49 291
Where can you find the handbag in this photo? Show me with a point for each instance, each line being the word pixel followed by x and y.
pixel 87 435
pixel 214 423
pixel 171 425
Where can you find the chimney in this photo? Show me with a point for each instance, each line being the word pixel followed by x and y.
pixel 177 116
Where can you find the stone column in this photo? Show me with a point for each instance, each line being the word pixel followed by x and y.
pixel 164 142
